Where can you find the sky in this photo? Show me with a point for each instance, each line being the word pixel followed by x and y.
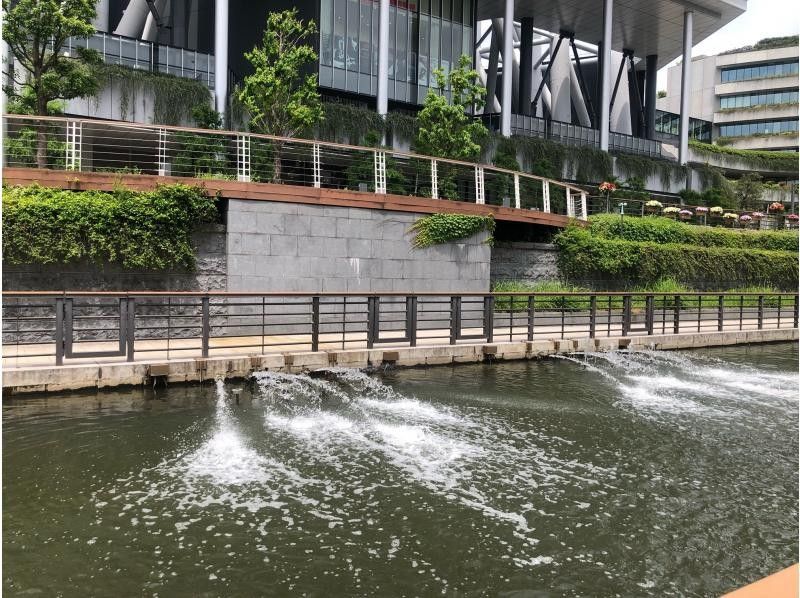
pixel 763 18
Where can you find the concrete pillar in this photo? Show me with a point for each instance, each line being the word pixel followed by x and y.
pixel 650 93
pixel 221 55
pixel 560 84
pixel 525 65
pixel 100 21
pixel 383 58
pixel 686 86
pixel 133 19
pixel 605 75
pixel 508 69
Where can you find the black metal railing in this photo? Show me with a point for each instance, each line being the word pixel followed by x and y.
pixel 41 328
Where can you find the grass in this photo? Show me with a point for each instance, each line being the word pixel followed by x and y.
pixel 665 291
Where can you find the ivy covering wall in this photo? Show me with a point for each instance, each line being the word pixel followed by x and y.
pixel 437 229
pixel 137 230
pixel 757 160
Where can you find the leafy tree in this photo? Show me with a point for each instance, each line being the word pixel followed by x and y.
pixel 445 128
pixel 201 154
pixel 748 190
pixel 36 31
pixel 281 95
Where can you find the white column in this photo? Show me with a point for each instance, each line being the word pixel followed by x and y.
pixel 686 86
pixel 605 81
pixel 508 69
pixel 100 21
pixel 220 54
pixel 561 100
pixel 383 58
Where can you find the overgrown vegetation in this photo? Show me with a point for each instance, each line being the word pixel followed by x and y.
pixel 757 160
pixel 446 228
pixel 138 230
pixel 768 43
pixel 585 255
pixel 198 154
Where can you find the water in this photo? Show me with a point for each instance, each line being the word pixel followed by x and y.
pixel 645 474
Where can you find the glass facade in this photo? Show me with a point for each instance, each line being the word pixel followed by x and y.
pixel 766 127
pixel 769 98
pixel 423 35
pixel 669 123
pixel 759 71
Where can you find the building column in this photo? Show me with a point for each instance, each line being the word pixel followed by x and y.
pixel 605 75
pixel 221 55
pixel 508 69
pixel 525 65
pixel 383 58
pixel 650 93
pixel 686 87
pixel 100 21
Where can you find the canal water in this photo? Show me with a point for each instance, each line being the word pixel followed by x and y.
pixel 621 474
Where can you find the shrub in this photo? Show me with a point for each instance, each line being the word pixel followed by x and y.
pixel 666 230
pixel 149 230
pixel 584 256
pixel 445 228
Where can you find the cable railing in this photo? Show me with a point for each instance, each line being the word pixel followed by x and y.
pixel 84 145
pixel 47 328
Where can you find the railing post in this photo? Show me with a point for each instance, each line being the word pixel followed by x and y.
pixel 517 198
pixel 206 317
pixel 720 313
pixel 546 196
pixel 760 312
pixel 592 315
pixel 796 310
pixel 372 308
pixel 676 319
pixel 131 331
pixel 315 324
pixel 531 315
pixel 488 318
pixel 243 158
pixel 74 144
pixel 434 179
pixel 380 172
pixel 455 319
pixel 570 204
pixel 480 194
pixel 317 167
pixel 649 314
pixel 59 334
pixel 626 315
pixel 584 209
pixel 162 152
pixel 411 320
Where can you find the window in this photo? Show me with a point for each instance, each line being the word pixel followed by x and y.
pixel 769 127
pixel 746 73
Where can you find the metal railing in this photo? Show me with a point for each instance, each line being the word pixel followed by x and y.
pixel 41 328
pixel 109 146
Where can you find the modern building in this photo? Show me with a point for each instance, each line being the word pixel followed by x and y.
pixel 582 72
pixel 749 95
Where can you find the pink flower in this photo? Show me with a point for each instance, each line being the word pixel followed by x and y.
pixel 776 207
pixel 745 218
pixel 607 187
pixel 793 217
pixel 701 210
pixel 757 215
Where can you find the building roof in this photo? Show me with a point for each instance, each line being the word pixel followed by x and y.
pixel 644 26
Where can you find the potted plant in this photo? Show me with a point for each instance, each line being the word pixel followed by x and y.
pixel 685 215
pixel 652 206
pixel 716 214
pixel 757 218
pixel 776 209
pixel 729 218
pixel 701 212
pixel 745 220
pixel 671 212
pixel 608 188
pixel 792 220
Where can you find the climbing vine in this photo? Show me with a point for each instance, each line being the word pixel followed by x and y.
pixel 446 228
pixel 174 98
pixel 643 167
pixel 757 160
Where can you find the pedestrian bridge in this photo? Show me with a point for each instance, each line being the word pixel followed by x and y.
pixel 101 155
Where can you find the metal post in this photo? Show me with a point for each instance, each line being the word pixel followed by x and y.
pixel 650 93
pixel 221 55
pixel 455 319
pixel 372 307
pixel 206 325
pixel 59 334
pixel 592 315
pixel 480 197
pixel 434 179
pixel 517 198
pixel 570 204
pixel 380 172
pixel 605 75
pixel 162 152
pixel 760 312
pixel 720 313
pixel 383 57
pixel 546 196
pixel 488 318
pixel 676 319
pixel 508 69
pixel 131 331
pixel 686 87
pixel 315 324
pixel 74 145
pixel 649 314
pixel 411 320
pixel 796 310
pixel 626 315
pixel 317 167
pixel 525 65
pixel 243 158
pixel 531 315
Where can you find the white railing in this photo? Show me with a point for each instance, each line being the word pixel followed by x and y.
pixel 85 145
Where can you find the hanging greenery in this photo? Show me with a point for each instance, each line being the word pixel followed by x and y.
pixel 644 167
pixel 174 98
pixel 348 123
pixel 757 160
pixel 446 228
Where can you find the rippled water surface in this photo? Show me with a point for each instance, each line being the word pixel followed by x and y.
pixel 643 474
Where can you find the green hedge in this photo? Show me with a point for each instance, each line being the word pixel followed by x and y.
pixel 148 231
pixel 656 229
pixel 583 256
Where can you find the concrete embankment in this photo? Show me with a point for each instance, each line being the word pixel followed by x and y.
pixel 108 375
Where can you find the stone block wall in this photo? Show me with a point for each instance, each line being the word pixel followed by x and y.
pixel 274 246
pixel 532 262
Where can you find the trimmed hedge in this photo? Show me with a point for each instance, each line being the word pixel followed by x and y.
pixel 665 230
pixel 583 256
pixel 147 231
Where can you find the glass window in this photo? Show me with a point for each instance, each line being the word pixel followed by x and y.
pixel 436 6
pixel 762 71
pixel 364 53
pixel 446 14
pixel 424 47
pixel 413 40
pixel 458 11
pixel 351 45
pixel 339 33
pixel 401 70
pixel 435 29
pixel 446 46
pixel 326 33
pixel 392 40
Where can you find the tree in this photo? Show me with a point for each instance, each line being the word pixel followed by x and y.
pixel 445 128
pixel 36 31
pixel 281 95
pixel 748 190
